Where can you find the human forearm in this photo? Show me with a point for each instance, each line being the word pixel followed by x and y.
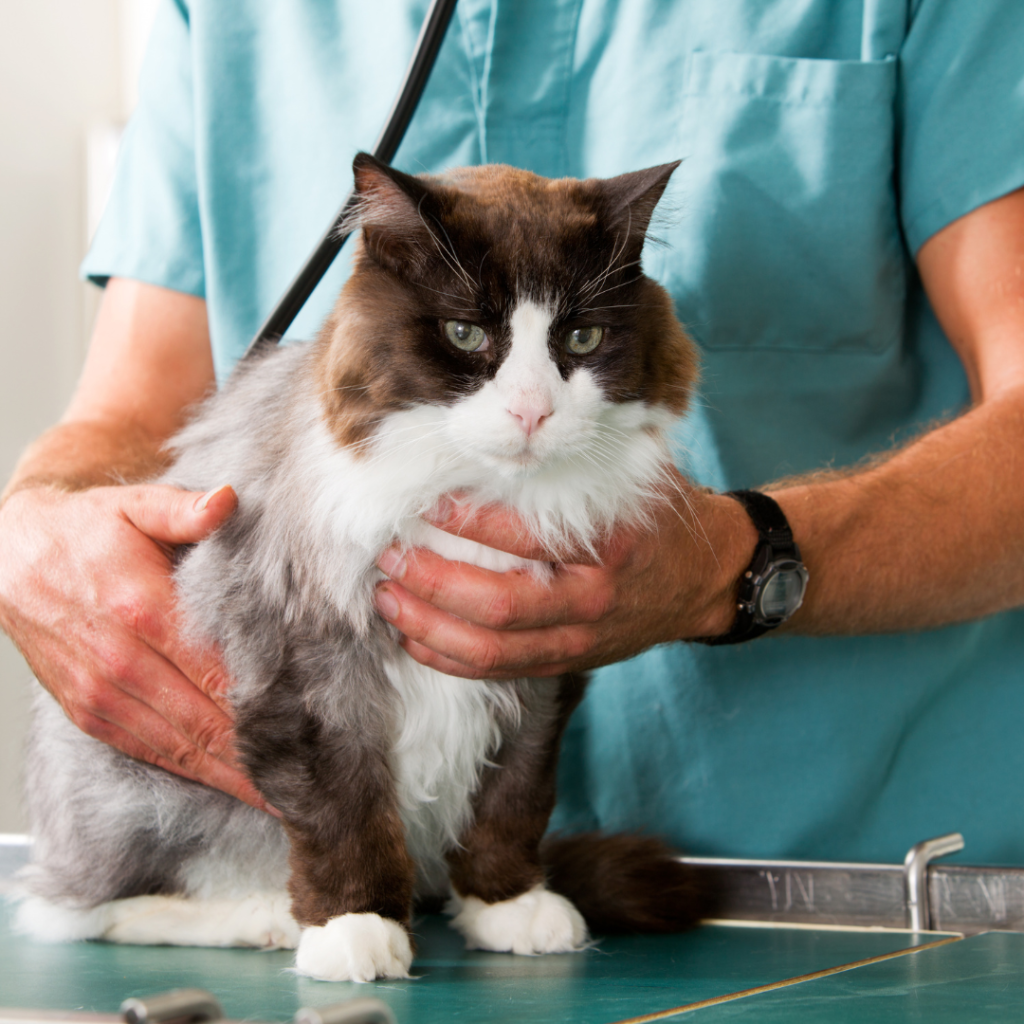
pixel 932 535
pixel 149 361
pixel 79 454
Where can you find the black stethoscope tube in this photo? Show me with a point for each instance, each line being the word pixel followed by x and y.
pixel 435 25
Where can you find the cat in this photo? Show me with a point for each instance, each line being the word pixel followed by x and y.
pixel 497 340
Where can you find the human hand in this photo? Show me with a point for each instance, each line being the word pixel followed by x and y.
pixel 86 594
pixel 671 579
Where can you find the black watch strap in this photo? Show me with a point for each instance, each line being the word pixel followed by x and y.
pixel 775 541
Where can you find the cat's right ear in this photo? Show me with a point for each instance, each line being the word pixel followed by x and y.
pixel 631 198
pixel 391 212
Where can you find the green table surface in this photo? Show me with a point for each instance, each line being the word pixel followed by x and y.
pixel 979 979
pixel 617 980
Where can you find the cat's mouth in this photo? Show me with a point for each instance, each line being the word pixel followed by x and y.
pixel 516 462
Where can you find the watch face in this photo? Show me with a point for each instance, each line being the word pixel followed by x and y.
pixel 782 592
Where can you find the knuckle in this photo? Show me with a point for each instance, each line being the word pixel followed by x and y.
pixel 92 699
pixel 119 665
pixel 502 610
pixel 432 585
pixel 213 682
pixel 188 757
pixel 133 607
pixel 599 603
pixel 486 656
pixel 85 720
pixel 578 643
pixel 212 737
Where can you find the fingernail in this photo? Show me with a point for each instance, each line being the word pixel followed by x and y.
pixel 272 810
pixel 392 563
pixel 387 604
pixel 203 500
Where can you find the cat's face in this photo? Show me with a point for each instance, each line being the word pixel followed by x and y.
pixel 511 309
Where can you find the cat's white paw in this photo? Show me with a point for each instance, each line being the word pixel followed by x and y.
pixel 355 947
pixel 538 921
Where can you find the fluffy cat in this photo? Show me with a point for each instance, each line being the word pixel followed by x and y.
pixel 497 339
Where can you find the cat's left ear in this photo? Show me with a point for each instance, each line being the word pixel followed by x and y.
pixel 630 199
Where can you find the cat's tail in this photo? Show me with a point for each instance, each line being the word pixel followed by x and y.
pixel 625 883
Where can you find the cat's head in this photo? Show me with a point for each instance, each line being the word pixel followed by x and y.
pixel 513 309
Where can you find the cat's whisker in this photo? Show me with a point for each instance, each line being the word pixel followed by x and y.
pixel 385 449
pixel 449 255
pixel 345 387
pixel 392 431
pixel 613 287
pixel 455 255
pixel 599 309
pixel 427 444
pixel 610 268
pixel 694 526
pixel 389 450
pixel 437 243
pixel 480 269
pixel 447 295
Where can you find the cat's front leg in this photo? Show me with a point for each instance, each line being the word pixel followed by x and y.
pixel 501 901
pixel 328 773
pixel 351 882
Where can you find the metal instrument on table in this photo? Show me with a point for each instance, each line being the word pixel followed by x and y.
pixel 197 1006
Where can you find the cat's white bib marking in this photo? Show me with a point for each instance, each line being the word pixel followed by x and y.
pixel 445 732
pixel 355 947
pixel 538 921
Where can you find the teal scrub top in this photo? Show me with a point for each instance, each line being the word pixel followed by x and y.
pixel 823 141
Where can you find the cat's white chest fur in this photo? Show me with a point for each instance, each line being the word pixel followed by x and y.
pixel 446 729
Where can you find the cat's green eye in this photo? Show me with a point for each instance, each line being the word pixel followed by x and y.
pixel 584 340
pixel 468 337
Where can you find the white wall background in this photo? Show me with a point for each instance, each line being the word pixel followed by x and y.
pixel 68 71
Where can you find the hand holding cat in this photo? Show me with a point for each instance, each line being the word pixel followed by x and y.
pixel 94 618
pixel 673 579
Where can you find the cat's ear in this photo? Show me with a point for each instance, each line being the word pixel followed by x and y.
pixel 391 212
pixel 630 199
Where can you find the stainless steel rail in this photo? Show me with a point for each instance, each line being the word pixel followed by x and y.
pixel 918 895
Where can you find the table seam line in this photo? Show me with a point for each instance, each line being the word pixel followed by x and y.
pixel 783 983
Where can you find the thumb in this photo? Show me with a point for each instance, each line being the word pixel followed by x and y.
pixel 173 516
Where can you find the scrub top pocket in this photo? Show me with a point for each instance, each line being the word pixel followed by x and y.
pixel 788 236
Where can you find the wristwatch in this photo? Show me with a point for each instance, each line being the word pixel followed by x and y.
pixel 774 584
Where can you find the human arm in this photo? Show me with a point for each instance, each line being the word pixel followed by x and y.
pixel 85 588
pixel 928 535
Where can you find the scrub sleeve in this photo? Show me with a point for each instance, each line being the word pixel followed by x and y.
pixel 150 229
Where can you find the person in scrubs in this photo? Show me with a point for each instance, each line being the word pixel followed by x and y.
pixel 845 244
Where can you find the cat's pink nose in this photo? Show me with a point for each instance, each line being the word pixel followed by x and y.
pixel 529 414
